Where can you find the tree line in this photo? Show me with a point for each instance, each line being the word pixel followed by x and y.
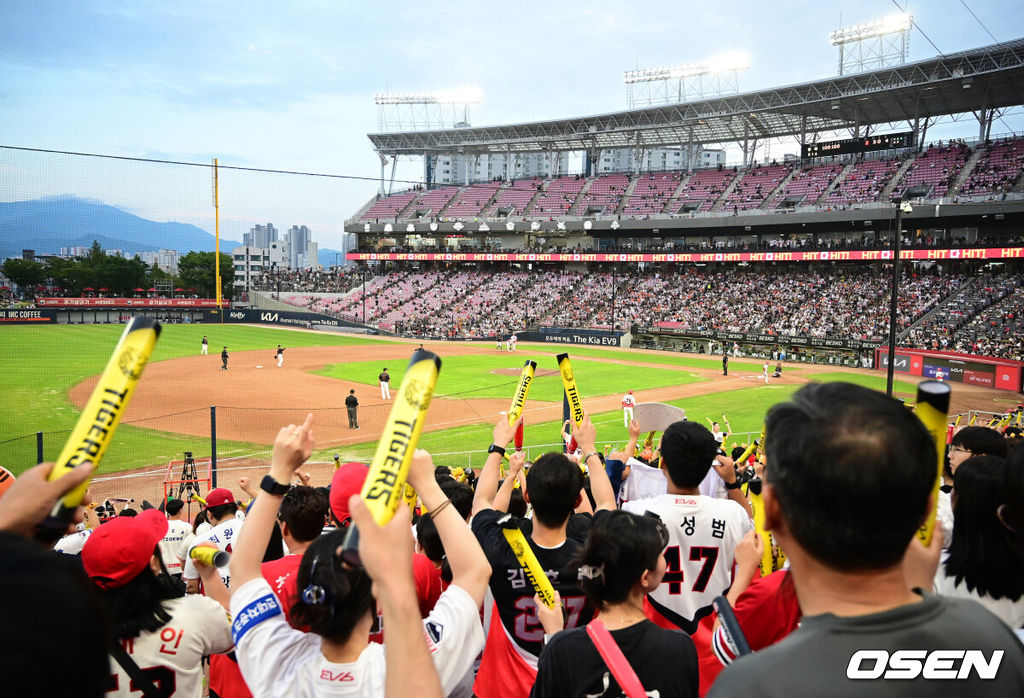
pixel 119 275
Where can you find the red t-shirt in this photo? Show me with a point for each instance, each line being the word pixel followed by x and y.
pixel 429 584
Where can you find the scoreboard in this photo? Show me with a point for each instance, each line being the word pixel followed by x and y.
pixel 867 144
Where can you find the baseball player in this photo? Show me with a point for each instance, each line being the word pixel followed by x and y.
pixel 938 374
pixel 280 356
pixel 224 359
pixel 385 385
pixel 512 342
pixel 764 370
pixel 204 348
pixel 497 345
pixel 628 403
pixel 725 364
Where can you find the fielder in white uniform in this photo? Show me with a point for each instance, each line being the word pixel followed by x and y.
pixel 512 342
pixel 204 348
pixel 764 370
pixel 628 403
pixel 385 385
pixel 280 356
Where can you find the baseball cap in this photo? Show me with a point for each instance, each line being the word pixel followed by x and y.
pixel 219 496
pixel 117 552
pixel 630 392
pixel 347 481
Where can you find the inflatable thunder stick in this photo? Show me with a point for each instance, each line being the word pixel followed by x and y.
pixel 99 419
pixel 933 411
pixel 384 488
pixel 528 561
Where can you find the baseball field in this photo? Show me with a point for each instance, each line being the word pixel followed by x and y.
pixel 50 372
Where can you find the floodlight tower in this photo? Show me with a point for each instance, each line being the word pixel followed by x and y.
pixel 421 111
pixel 873 45
pixel 425 110
pixel 681 83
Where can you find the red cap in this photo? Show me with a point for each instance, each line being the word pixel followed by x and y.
pixel 347 481
pixel 630 392
pixel 219 496
pixel 6 480
pixel 118 551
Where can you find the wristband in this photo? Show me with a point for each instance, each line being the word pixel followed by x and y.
pixel 440 508
pixel 734 485
pixel 272 486
pixel 495 448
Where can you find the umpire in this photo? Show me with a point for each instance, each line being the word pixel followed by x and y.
pixel 352 404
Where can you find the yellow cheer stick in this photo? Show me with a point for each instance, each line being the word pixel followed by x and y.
pixel 515 410
pixel 197 498
pixel 410 496
pixel 957 422
pixel 972 420
pixel 572 393
pixel 95 427
pixel 528 561
pixel 383 490
pixel 210 556
pixel 933 410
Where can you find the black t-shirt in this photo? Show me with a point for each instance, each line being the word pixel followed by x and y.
pixel 664 660
pixel 384 378
pixel 351 401
pixel 577 529
pixel 512 591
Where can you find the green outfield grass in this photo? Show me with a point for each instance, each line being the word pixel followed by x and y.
pixel 471 376
pixel 44 363
pixel 745 408
pixel 665 358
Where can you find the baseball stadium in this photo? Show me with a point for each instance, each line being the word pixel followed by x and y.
pixel 708 248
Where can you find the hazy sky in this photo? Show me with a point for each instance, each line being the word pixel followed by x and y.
pixel 290 85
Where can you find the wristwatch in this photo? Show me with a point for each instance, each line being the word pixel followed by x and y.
pixel 495 448
pixel 272 486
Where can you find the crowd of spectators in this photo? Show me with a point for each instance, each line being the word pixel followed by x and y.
pixel 336 280
pixel 937 169
pixel 635 546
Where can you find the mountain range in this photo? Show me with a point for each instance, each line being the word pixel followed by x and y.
pixel 50 223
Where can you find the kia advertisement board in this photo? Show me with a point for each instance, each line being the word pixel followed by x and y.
pixel 984 371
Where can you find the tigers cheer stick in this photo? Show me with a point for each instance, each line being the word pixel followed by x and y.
pixel 572 395
pixel 527 560
pixel 933 411
pixel 384 488
pixel 515 410
pixel 99 419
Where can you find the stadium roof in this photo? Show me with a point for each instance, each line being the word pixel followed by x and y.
pixel 982 78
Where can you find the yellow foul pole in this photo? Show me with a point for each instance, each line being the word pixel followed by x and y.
pixel 216 254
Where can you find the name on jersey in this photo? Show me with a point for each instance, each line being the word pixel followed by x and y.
pixel 686 501
pixel 261 609
pixel 328 675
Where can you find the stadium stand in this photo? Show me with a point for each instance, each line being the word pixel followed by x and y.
pixel 603 196
pixel 652 193
pixel 935 170
pixel 703 189
pixel 807 185
pixel 864 182
pixel 559 197
pixel 754 187
pixel 997 170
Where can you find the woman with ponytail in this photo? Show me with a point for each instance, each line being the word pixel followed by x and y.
pixel 619 565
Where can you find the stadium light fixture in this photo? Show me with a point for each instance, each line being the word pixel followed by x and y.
pixel 388 228
pixel 433 227
pixel 587 225
pixel 366 227
pixel 462 95
pixel 510 226
pixel 484 227
pixel 868 30
pixel 724 63
pixel 410 228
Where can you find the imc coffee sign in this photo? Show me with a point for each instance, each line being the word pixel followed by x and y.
pixel 27 316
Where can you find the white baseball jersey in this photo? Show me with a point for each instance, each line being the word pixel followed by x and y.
pixel 223 535
pixel 703 533
pixel 176 533
pixel 277 660
pixel 73 544
pixel 628 401
pixel 171 657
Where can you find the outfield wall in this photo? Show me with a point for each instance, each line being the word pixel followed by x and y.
pixel 990 372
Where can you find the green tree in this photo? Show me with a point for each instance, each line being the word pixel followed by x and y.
pixel 120 275
pixel 196 270
pixel 26 273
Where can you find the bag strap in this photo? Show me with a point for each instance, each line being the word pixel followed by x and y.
pixel 615 660
pixel 140 681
